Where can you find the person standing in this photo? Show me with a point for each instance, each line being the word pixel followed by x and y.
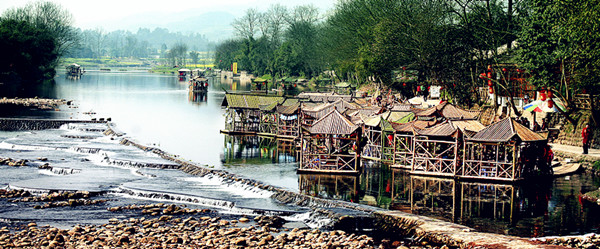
pixel 586 135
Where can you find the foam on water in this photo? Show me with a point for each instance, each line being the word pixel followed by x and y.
pixel 311 219
pixel 10 146
pixel 235 188
pixel 174 197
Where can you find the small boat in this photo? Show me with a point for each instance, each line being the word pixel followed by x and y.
pixel 198 84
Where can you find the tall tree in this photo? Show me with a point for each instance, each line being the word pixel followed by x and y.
pixel 247 25
pixel 47 34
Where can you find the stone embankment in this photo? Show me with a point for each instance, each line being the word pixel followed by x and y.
pixel 44 104
pixel 451 234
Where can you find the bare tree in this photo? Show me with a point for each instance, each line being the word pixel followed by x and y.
pixel 246 26
pixel 51 17
pixel 304 13
pixel 98 39
pixel 276 16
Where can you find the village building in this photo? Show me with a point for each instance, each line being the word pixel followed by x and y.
pixel 243 113
pixel 330 145
pixel 506 151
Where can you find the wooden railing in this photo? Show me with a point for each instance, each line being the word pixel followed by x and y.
pixel 490 170
pixel 329 163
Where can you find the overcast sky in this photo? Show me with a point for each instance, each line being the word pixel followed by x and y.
pixel 89 14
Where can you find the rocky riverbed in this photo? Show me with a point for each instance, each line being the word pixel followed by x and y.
pixel 178 232
pixel 44 104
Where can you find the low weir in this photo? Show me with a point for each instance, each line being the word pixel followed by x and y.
pixel 19 124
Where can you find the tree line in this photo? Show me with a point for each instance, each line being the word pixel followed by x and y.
pixel 448 42
pixel 97 43
pixel 33 39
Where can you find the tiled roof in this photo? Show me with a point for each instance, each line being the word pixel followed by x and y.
pixel 369 111
pixel 410 126
pixel 402 107
pixel 324 97
pixel 268 107
pixel 361 101
pixel 373 121
pixel 343 105
pixel 318 111
pixel 505 130
pixel 443 130
pixel 333 123
pixel 397 116
pixel 247 101
pixel 448 111
pixel 468 125
pixel 409 117
pixel 288 109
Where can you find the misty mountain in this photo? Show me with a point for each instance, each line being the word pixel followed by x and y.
pixel 215 26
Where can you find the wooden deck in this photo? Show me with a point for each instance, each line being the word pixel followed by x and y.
pixel 228 132
pixel 567 168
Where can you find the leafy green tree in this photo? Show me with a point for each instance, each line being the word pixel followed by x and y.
pixel 194 55
pixel 34 38
pixel 28 52
pixel 226 52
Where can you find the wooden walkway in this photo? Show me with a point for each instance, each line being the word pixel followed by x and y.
pixel 454 235
pixel 576 150
pixel 566 168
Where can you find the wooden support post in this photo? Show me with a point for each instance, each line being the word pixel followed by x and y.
pixel 514 162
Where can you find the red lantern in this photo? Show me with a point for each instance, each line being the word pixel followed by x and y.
pixel 489 83
pixel 491 90
pixel 503 69
pixel 403 84
pixel 295 85
pixel 482 76
pixel 550 94
pixel 403 68
pixel 550 103
pixel 542 95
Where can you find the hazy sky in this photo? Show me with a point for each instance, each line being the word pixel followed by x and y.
pixel 89 14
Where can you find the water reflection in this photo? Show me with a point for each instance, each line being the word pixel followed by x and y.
pixel 197 97
pixel 338 187
pixel 524 210
pixel 530 209
pixel 265 149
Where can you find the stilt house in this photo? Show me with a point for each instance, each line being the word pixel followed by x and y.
pixel 436 150
pixel 243 114
pixel 330 145
pixel 504 151
pixel 288 120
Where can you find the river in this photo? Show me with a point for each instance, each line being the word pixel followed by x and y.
pixel 156 110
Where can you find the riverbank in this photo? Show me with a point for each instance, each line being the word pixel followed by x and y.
pixel 40 103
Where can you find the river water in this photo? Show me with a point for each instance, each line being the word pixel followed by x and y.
pixel 157 110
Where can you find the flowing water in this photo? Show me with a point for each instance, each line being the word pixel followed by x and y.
pixel 157 110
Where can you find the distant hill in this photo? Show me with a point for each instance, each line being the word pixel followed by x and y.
pixel 216 26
